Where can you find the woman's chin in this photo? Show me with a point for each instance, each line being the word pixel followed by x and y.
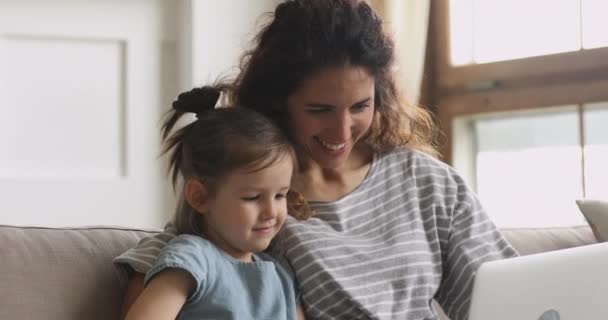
pixel 316 155
pixel 331 159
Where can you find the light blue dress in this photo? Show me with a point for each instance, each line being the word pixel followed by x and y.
pixel 227 288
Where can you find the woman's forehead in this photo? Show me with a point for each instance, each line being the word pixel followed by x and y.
pixel 339 83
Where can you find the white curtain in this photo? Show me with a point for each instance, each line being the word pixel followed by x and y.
pixel 407 21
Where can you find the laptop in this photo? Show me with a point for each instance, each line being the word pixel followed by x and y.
pixel 568 284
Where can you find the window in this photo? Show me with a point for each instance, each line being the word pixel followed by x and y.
pixel 494 30
pixel 528 166
pixel 522 99
pixel 596 150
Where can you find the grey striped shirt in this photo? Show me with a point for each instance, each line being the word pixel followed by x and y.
pixel 412 231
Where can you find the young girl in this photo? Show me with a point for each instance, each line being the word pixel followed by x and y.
pixel 236 167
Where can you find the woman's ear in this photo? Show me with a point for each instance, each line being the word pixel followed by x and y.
pixel 197 195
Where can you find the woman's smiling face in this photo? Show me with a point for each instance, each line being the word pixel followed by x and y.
pixel 330 112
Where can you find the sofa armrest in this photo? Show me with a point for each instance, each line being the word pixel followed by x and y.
pixel 53 273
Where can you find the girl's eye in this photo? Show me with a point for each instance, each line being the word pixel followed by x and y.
pixel 251 198
pixel 281 195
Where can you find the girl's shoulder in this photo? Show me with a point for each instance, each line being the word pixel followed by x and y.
pixel 187 245
pixel 189 240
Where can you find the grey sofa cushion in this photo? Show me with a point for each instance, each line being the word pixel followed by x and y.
pixel 535 240
pixel 52 274
pixel 62 274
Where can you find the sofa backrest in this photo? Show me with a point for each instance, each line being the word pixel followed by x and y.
pixel 536 240
pixel 61 274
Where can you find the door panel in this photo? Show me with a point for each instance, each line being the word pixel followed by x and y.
pixel 82 88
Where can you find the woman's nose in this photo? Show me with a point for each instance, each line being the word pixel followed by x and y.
pixel 343 126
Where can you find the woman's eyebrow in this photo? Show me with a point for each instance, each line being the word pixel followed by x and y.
pixel 325 105
pixel 320 105
pixel 366 100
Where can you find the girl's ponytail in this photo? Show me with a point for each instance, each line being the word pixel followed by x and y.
pixel 197 101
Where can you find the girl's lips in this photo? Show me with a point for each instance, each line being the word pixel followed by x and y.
pixel 264 229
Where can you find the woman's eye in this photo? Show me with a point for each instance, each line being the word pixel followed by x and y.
pixel 281 195
pixel 251 198
pixel 360 107
pixel 315 111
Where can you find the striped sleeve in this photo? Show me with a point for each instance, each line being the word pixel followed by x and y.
pixel 142 257
pixel 473 239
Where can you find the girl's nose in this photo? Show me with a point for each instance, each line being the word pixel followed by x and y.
pixel 270 209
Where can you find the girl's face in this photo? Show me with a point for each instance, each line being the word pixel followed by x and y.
pixel 248 209
pixel 330 112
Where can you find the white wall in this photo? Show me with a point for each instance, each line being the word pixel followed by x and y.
pixel 157 49
pixel 221 31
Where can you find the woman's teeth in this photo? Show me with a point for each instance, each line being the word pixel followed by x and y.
pixel 332 146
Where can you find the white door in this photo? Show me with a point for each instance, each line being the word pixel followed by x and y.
pixel 83 85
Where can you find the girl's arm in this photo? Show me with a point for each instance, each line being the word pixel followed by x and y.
pixel 163 297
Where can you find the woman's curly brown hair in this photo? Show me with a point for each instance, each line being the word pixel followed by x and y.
pixel 305 36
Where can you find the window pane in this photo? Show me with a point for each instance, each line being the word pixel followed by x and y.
pixel 494 30
pixel 529 168
pixel 595 23
pixel 505 30
pixel 461 32
pixel 596 150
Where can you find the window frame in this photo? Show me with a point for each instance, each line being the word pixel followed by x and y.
pixel 569 78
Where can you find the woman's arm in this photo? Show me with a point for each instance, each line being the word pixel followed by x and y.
pixel 472 240
pixel 135 286
pixel 164 296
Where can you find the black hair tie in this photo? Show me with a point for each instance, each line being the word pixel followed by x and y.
pixel 197 100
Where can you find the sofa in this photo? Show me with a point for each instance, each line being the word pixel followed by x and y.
pixel 67 273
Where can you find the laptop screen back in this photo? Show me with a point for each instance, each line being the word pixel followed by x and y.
pixel 569 284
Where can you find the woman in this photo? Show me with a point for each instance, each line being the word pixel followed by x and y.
pixel 393 228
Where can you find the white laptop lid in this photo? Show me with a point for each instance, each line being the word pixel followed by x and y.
pixel 569 284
